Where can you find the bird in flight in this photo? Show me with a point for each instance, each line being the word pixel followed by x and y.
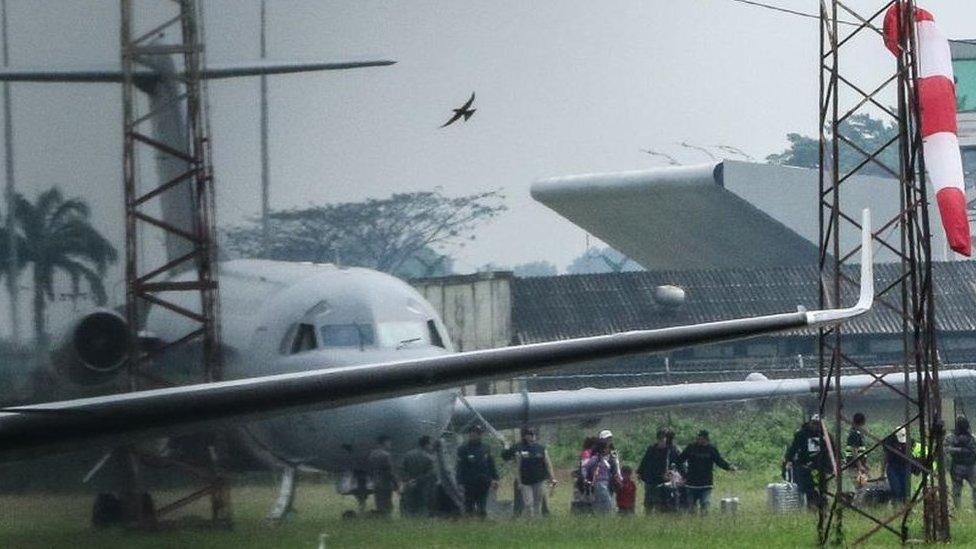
pixel 463 111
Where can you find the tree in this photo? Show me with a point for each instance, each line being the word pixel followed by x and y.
pixel 535 268
pixel 55 235
pixel 869 134
pixel 406 234
pixel 602 260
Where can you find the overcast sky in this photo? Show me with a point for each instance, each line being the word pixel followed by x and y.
pixel 563 87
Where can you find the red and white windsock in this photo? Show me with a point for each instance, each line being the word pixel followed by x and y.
pixel 937 98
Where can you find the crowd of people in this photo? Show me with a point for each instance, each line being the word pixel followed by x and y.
pixel 901 458
pixel 673 478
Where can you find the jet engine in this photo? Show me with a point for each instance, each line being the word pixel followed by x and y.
pixel 93 349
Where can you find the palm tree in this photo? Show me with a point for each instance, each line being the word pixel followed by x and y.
pixel 5 267
pixel 57 236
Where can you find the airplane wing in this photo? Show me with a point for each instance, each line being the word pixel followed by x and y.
pixel 113 73
pixel 517 409
pixel 29 430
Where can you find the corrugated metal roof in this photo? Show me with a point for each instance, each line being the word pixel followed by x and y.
pixel 561 307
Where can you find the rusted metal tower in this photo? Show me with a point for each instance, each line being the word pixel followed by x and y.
pixel 844 94
pixel 177 205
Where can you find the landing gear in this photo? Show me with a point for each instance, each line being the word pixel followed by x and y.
pixel 284 505
pixel 129 509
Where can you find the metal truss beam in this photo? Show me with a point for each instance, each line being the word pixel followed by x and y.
pixel 907 235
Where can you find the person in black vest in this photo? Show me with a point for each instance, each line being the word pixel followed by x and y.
pixel 654 471
pixel 701 458
pixel 534 471
pixel 962 460
pixel 805 457
pixel 476 472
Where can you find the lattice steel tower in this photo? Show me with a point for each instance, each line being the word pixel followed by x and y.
pixel 843 95
pixel 177 205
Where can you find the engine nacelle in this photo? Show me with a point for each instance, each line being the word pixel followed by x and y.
pixel 93 349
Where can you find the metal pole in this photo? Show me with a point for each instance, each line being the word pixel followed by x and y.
pixel 13 259
pixel 265 166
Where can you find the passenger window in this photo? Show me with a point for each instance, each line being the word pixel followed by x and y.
pixel 304 339
pixel 435 336
pixel 347 335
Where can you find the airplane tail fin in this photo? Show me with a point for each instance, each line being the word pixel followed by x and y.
pixel 114 74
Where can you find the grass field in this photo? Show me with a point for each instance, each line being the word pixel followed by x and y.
pixel 28 521
pixel 34 511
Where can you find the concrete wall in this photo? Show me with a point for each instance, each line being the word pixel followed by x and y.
pixel 477 310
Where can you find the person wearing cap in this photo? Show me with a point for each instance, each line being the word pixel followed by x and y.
pixel 614 457
pixel 380 462
pixel 701 458
pixel 655 472
pixel 599 476
pixel 897 464
pixel 805 458
pixel 534 471
pixel 961 448
pixel 476 472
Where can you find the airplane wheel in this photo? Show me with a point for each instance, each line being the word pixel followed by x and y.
pixel 106 511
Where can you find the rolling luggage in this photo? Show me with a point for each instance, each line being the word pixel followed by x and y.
pixel 784 496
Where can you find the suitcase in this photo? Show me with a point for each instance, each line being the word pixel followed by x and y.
pixel 784 496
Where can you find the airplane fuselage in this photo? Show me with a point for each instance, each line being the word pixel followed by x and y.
pixel 281 317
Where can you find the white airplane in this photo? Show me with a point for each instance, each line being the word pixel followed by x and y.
pixel 320 360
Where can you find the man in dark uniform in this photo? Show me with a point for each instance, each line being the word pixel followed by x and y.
pixel 419 480
pixel 534 472
pixel 804 456
pixel 476 472
pixel 961 448
pixel 654 471
pixel 380 463
pixel 701 458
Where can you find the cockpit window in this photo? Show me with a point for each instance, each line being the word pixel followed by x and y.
pixel 304 339
pixel 402 333
pixel 435 336
pixel 347 335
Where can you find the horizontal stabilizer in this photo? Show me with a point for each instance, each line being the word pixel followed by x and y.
pixel 114 73
pixel 511 410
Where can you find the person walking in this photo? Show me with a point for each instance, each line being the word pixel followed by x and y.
pixel 419 480
pixel 534 471
pixel 613 456
pixel 599 475
pixel 857 461
pixel 701 458
pixel 961 448
pixel 582 502
pixel 476 473
pixel 804 457
pixel 897 464
pixel 654 471
pixel 626 492
pixel 380 463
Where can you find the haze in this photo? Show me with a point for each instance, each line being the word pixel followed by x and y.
pixel 563 87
